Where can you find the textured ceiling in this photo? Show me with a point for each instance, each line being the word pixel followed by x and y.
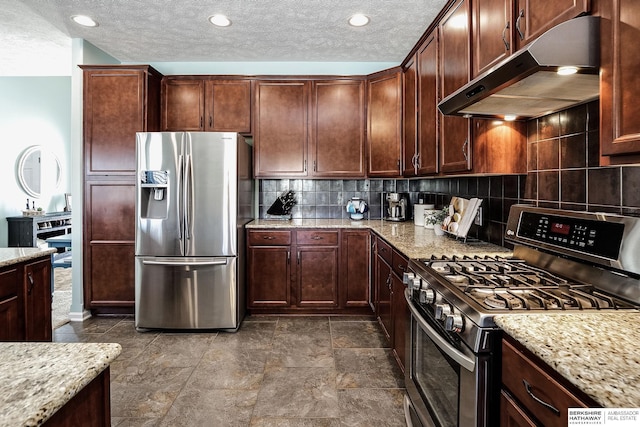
pixel 149 31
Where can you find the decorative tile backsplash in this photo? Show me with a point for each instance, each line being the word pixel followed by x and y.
pixel 563 172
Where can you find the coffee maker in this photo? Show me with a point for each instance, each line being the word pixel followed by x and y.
pixel 396 206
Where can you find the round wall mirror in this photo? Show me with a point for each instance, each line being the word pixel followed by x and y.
pixel 36 166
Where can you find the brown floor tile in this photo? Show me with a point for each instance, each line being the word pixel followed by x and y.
pixel 372 407
pixel 367 368
pixel 357 335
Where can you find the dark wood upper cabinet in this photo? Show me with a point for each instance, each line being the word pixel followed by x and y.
pixel 214 105
pixel 492 27
pixel 534 17
pixel 337 126
pixel 384 123
pixel 182 105
pixel 455 56
pixel 619 84
pixel 118 102
pixel 228 106
pixel 410 118
pixel 428 126
pixel 281 128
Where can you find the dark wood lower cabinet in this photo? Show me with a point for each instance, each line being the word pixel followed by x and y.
pixel 400 322
pixel 308 271
pixel 383 295
pixel 25 301
pixel 91 407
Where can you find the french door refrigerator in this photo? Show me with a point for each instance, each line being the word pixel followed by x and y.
pixel 194 194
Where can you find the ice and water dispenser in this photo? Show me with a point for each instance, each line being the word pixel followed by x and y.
pixel 153 193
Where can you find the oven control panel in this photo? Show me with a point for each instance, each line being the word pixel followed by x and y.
pixel 592 237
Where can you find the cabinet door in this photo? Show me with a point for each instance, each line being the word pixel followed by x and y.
pixel 337 143
pixel 109 236
pixel 409 118
pixel 37 297
pixel 428 135
pixel 492 30
pixel 354 269
pixel 269 277
pixel 384 123
pixel 11 309
pixel 228 106
pixel 619 109
pixel 400 321
pixel 455 141
pixel 383 295
pixel 499 147
pixel 281 129
pixel 534 17
pixel 182 105
pixel 317 278
pixel 115 108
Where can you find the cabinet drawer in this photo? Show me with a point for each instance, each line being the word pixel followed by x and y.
pixel 316 237
pixel 518 368
pixel 399 263
pixel 269 238
pixel 384 250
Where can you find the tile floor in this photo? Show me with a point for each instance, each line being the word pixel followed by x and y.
pixel 325 371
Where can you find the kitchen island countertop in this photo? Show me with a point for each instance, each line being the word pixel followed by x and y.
pixel 597 352
pixel 10 256
pixel 413 241
pixel 37 379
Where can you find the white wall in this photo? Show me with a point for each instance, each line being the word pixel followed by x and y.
pixel 33 111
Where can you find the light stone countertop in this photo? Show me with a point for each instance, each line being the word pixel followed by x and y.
pixel 596 351
pixel 37 379
pixel 413 241
pixel 10 256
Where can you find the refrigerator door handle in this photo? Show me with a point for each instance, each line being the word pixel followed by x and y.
pixel 186 262
pixel 178 206
pixel 187 196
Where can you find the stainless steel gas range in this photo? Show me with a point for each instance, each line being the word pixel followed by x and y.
pixel 563 261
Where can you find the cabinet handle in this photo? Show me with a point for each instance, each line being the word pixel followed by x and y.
pixel 201 126
pixel 549 406
pixel 288 257
pixel 417 164
pixel 399 169
pixel 298 257
pixel 520 16
pixel 268 237
pixel 210 121
pixel 383 249
pixel 305 166
pixel 388 282
pixel 316 238
pixel 314 166
pixel 504 37
pixel 464 149
pixel 31 283
pixel 401 267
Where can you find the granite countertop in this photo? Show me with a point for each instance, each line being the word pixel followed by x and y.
pixel 10 256
pixel 413 241
pixel 596 351
pixel 37 379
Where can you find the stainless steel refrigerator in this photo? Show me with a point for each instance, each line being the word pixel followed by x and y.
pixel 195 193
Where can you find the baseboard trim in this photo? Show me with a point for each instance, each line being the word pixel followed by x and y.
pixel 76 316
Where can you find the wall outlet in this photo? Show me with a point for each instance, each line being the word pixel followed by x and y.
pixel 478 219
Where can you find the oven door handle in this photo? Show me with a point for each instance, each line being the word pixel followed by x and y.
pixel 463 360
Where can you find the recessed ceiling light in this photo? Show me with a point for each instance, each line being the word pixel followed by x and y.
pixel 567 70
pixel 84 20
pixel 510 117
pixel 359 20
pixel 219 20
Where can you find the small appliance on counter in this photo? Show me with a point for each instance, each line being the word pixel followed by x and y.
pixel 419 211
pixel 356 207
pixel 395 206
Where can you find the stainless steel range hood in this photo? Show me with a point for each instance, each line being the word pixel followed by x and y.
pixel 527 84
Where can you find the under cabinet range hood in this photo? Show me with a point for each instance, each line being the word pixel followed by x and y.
pixel 528 84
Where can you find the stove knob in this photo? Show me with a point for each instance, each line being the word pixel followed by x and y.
pixel 427 296
pixel 415 284
pixel 454 323
pixel 407 278
pixel 442 311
